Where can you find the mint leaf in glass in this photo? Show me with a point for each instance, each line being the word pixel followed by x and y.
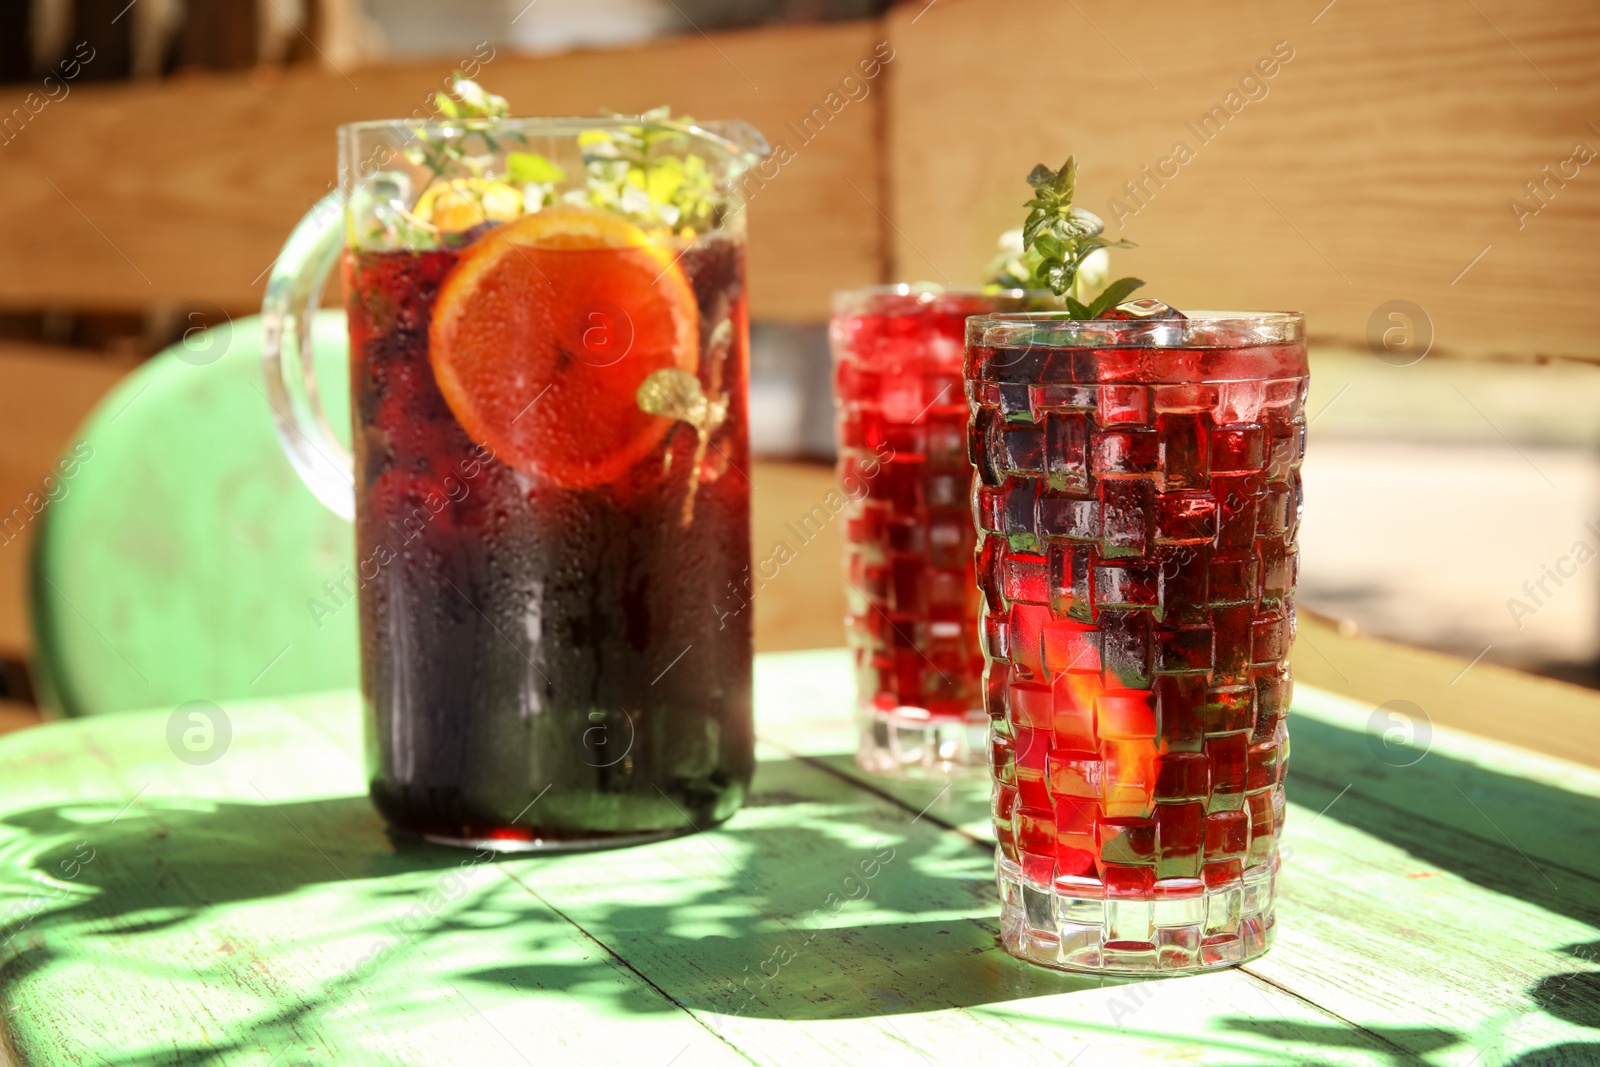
pixel 1060 247
pixel 627 172
pixel 523 167
pixel 676 394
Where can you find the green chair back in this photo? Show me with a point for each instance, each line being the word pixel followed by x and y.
pixel 182 559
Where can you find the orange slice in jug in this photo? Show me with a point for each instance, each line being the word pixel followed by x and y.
pixel 543 333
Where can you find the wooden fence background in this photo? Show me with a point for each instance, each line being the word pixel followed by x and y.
pixel 1336 157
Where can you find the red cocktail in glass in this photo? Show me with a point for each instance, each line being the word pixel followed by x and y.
pixel 912 619
pixel 523 633
pixel 1138 505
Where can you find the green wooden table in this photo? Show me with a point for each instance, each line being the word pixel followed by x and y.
pixel 253 911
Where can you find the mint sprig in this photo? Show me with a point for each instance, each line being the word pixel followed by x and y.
pixel 1058 238
pixel 626 173
pixel 476 109
pixel 471 101
pixel 642 168
pixel 676 394
pixel 1112 295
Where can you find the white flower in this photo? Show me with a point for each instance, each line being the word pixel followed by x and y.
pixel 476 97
pixel 1093 275
pixel 634 200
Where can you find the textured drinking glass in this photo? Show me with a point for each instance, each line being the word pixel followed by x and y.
pixel 548 397
pixel 912 607
pixel 1137 506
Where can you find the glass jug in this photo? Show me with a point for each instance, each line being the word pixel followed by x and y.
pixel 548 370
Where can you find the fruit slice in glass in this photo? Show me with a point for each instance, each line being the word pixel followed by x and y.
pixel 571 309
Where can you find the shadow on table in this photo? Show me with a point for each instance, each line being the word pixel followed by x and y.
pixel 762 938
pixel 1407 1045
pixel 818 902
pixel 1515 836
pixel 796 885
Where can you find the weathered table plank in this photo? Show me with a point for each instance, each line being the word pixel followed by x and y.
pixel 284 921
pixel 1404 896
pixel 254 911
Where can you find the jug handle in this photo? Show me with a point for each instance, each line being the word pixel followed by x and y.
pixel 293 292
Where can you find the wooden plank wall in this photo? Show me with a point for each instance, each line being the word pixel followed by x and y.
pixel 1378 163
pixel 145 193
pixel 153 194
pixel 1377 166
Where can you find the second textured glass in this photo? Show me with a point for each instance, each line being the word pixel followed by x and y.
pixel 912 616
pixel 1138 505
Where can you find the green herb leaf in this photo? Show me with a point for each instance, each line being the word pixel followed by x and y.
pixel 475 101
pixel 1065 185
pixel 628 172
pixel 641 168
pixel 1056 240
pixel 1113 294
pixel 469 103
pixel 676 394
pixel 525 167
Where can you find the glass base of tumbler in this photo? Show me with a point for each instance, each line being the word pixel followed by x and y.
pixel 1185 927
pixel 913 743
